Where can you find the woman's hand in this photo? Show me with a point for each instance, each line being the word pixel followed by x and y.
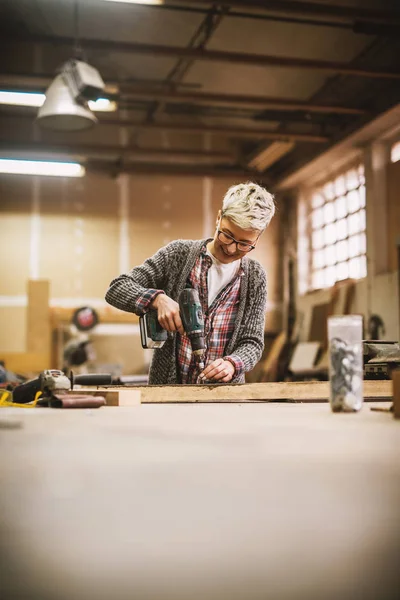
pixel 219 370
pixel 168 313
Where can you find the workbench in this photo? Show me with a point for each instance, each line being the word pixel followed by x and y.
pixel 234 501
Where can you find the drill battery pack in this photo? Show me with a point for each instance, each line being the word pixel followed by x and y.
pixel 152 335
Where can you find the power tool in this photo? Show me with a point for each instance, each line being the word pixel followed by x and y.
pixel 154 336
pixel 193 322
pixel 55 386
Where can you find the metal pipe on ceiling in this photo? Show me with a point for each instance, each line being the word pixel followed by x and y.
pixel 208 55
pixel 34 81
pixel 234 132
pixel 333 11
pixel 237 99
pixel 132 90
pixel 255 16
pixel 238 132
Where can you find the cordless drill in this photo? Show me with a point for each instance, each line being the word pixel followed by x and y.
pixel 153 336
pixel 193 322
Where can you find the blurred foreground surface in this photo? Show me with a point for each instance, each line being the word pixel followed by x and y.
pixel 216 501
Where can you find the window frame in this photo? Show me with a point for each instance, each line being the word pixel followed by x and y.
pixel 354 263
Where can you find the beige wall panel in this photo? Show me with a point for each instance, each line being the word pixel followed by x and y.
pixel 123 351
pixel 12 329
pixel 393 213
pixel 15 222
pixel 163 209
pixel 219 188
pixel 80 235
pixel 15 194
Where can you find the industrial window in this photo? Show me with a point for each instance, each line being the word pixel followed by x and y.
pixel 395 152
pixel 332 238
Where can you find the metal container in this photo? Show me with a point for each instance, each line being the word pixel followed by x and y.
pixel 345 363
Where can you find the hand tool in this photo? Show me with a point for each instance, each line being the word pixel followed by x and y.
pixel 154 336
pixel 54 386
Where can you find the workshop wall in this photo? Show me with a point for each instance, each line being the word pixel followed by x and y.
pixel 378 293
pixel 81 233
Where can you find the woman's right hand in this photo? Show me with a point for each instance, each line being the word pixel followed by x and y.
pixel 168 313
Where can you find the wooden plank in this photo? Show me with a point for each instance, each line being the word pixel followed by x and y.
pixel 121 397
pixel 38 338
pixel 396 393
pixel 316 391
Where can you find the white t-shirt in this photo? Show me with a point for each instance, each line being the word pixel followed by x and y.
pixel 219 275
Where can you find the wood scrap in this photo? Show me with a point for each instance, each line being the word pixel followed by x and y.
pixel 316 391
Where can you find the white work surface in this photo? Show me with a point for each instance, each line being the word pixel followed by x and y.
pixel 209 501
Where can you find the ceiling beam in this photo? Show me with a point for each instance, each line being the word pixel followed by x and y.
pixel 207 55
pixel 41 82
pixel 237 132
pixel 234 132
pixel 173 169
pixel 237 100
pixel 44 147
pixel 340 12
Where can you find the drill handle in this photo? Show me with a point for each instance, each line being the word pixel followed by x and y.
pixel 26 392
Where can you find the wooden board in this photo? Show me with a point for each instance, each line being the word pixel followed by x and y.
pixel 38 316
pixel 252 392
pixel 396 393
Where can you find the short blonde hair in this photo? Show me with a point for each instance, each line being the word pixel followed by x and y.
pixel 249 206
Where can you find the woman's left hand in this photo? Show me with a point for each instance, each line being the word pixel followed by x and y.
pixel 219 370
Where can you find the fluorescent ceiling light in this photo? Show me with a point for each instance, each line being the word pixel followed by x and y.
pixel 137 1
pixel 102 105
pixel 38 167
pixel 36 99
pixel 22 98
pixel 395 153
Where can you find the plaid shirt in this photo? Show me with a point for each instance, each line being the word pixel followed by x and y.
pixel 219 321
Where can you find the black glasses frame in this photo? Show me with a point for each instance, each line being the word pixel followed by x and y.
pixel 249 247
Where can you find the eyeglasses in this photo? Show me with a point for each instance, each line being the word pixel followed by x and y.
pixel 227 239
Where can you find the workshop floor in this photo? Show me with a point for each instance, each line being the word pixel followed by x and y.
pixel 211 501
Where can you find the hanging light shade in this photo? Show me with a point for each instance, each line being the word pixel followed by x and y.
pixel 61 111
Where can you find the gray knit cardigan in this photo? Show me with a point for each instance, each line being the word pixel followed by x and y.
pixel 168 270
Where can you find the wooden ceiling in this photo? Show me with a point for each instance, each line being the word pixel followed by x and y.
pixel 254 88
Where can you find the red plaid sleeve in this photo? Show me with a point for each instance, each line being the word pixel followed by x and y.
pixel 237 363
pixel 144 301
